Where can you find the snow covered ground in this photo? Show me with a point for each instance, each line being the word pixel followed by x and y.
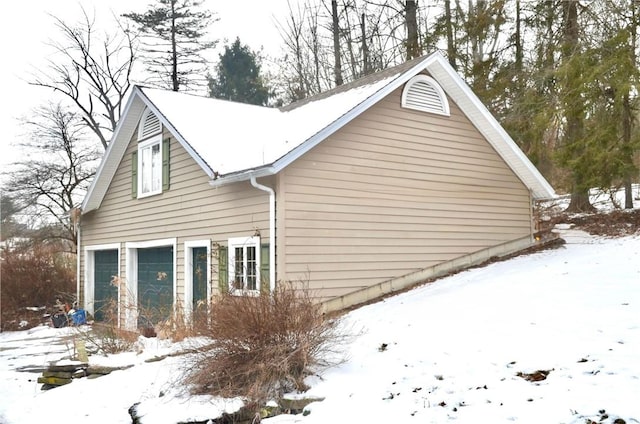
pixel 450 351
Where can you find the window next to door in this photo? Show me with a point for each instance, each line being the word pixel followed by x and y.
pixel 244 264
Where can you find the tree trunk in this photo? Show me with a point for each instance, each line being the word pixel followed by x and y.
pixel 573 113
pixel 413 47
pixel 518 40
pixel 366 68
pixel 336 42
pixel 627 122
pixel 174 49
pixel 451 49
pixel 580 202
pixel 627 117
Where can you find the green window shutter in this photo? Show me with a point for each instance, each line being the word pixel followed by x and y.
pixel 165 164
pixel 264 266
pixel 134 174
pixel 223 271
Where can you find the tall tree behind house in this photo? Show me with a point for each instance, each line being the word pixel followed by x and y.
pixel 173 34
pixel 329 43
pixel 238 77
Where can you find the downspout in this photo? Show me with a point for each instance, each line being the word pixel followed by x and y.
pixel 272 231
pixel 78 267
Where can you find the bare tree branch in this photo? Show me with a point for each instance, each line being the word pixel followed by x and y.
pixel 92 72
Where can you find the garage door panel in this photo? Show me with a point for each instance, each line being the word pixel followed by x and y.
pixel 155 285
pixel 105 296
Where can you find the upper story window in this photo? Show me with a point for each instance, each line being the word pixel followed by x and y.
pixel 150 166
pixel 244 264
pixel 150 161
pixel 425 94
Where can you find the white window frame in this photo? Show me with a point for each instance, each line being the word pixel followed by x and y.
pixel 89 275
pixel 131 275
pixel 188 273
pixel 243 242
pixel 143 145
pixel 421 78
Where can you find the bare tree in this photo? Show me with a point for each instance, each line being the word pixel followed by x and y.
pixel 305 68
pixel 51 182
pixel 93 71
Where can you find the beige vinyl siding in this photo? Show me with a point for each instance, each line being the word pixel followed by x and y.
pixel 393 192
pixel 190 210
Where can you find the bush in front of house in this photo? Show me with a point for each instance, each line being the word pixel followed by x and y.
pixel 34 276
pixel 264 346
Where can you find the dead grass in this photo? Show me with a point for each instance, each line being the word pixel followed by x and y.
pixel 263 345
pixel 107 336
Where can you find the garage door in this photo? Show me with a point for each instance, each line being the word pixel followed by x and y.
pixel 105 295
pixel 155 285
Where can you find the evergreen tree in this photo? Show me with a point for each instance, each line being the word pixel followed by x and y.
pixel 238 76
pixel 173 39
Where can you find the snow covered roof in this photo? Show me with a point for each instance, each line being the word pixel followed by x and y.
pixel 232 141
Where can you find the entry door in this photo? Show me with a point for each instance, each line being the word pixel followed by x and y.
pixel 155 285
pixel 199 277
pixel 105 295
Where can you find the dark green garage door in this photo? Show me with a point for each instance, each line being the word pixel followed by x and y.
pixel 105 295
pixel 155 285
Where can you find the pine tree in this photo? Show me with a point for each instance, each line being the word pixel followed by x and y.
pixel 238 76
pixel 174 42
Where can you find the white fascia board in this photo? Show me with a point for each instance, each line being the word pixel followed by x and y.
pixel 487 124
pixel 113 155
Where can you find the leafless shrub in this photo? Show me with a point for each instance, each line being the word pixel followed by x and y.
pixel 33 276
pixel 264 345
pixel 107 336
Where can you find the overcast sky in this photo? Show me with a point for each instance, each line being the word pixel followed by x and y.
pixel 27 26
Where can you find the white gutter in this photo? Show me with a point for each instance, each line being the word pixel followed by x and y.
pixel 241 176
pixel 272 231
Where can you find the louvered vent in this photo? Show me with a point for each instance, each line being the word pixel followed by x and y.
pixel 149 125
pixel 423 93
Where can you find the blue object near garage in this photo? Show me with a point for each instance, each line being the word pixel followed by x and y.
pixel 78 317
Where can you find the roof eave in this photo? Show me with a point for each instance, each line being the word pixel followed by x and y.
pixel 97 189
pixel 243 175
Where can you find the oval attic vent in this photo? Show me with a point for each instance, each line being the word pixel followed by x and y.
pixel 423 93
